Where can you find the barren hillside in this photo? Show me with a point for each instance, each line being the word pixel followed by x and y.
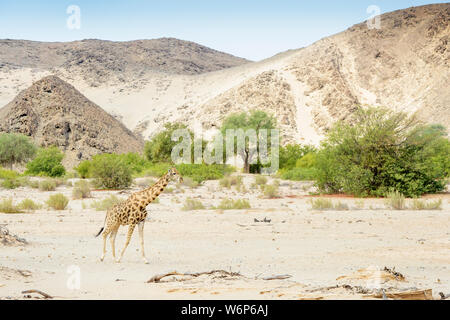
pixel 53 112
pixel 403 65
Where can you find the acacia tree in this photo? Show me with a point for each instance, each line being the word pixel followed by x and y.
pixel 383 151
pixel 256 120
pixel 15 149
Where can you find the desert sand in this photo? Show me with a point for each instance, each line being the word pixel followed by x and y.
pixel 312 254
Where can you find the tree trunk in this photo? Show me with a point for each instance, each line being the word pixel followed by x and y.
pixel 246 164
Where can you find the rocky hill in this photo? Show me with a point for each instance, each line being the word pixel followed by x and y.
pixel 98 61
pixel 403 65
pixel 54 113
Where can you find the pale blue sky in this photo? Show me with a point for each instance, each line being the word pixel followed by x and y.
pixel 250 29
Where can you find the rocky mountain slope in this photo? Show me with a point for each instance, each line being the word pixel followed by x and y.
pixel 54 113
pixel 404 65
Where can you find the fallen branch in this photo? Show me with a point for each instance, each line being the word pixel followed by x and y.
pixel 444 296
pixel 278 277
pixel 46 296
pixel 224 273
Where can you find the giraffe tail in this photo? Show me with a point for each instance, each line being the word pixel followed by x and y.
pixel 101 230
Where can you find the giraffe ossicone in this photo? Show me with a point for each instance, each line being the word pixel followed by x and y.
pixel 132 212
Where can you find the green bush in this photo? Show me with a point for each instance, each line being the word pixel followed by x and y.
pixel 47 185
pixel 105 204
pixel 7 206
pixel 15 148
pixel 58 201
pixel 81 190
pixel 110 172
pixel 84 169
pixel 29 205
pixel 291 153
pixel 230 204
pixel 47 163
pixel 380 152
pixel 298 174
pixel 135 161
pixel 192 204
pixel 202 172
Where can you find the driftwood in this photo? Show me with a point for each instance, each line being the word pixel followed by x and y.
pixel 46 296
pixel 278 277
pixel 444 296
pixel 405 295
pixel 157 278
pixel 218 273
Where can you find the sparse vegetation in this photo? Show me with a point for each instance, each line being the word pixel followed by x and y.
pixel 81 190
pixel 192 204
pixel 47 185
pixel 260 180
pixel 188 182
pixel 270 190
pixel 426 205
pixel 230 204
pixel 7 206
pixel 57 201
pixel 321 204
pixel 231 180
pixel 105 204
pixel 395 200
pixel 29 205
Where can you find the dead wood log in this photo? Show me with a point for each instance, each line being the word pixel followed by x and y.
pixel 46 296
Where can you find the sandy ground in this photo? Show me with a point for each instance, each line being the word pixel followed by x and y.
pixel 322 251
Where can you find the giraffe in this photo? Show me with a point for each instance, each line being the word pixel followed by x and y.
pixel 133 212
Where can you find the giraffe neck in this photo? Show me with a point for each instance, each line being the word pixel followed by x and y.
pixel 155 190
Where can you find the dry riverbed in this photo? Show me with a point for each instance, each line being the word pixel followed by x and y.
pixel 278 249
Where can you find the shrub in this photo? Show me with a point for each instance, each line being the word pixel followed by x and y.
pixel 229 181
pixel 7 206
pixel 383 151
pixel 298 174
pixel 47 185
pixel 135 161
pixel 260 180
pixel 15 148
pixel 110 172
pixel 202 172
pixel 230 204
pixel 47 163
pixel 29 205
pixel 188 182
pixel 192 204
pixel 395 200
pixel 58 201
pixel 84 169
pixel 321 204
pixel 81 190
pixel 291 153
pixel 270 191
pixel 424 205
pixel 105 204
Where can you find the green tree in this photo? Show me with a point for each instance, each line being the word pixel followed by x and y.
pixel 290 153
pixel 255 120
pixel 383 151
pixel 15 149
pixel 47 162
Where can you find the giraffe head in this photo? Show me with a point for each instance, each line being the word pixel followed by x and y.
pixel 173 174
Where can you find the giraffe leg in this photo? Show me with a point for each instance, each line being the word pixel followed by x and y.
pixel 141 238
pixel 112 239
pixel 105 235
pixel 130 233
